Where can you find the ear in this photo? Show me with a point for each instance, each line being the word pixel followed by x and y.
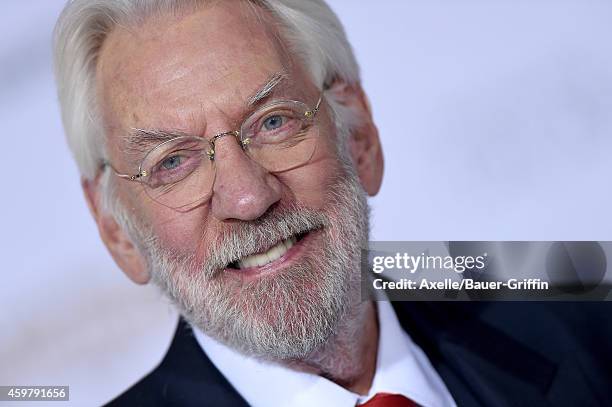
pixel 364 143
pixel 120 246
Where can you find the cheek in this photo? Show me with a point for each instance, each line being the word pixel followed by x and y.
pixel 179 233
pixel 184 234
pixel 311 184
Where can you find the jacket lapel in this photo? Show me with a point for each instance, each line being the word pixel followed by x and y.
pixel 190 378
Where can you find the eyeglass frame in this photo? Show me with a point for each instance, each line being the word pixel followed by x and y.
pixel 142 173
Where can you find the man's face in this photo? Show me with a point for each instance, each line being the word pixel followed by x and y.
pixel 194 75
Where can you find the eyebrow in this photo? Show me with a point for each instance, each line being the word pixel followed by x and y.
pixel 266 90
pixel 139 140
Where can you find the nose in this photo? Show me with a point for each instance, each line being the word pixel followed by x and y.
pixel 243 190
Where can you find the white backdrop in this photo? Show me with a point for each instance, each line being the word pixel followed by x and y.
pixel 495 120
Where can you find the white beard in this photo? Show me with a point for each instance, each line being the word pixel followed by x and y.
pixel 291 313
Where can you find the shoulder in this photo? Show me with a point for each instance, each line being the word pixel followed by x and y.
pixel 549 331
pixel 569 325
pixel 566 325
pixel 185 377
pixel 534 352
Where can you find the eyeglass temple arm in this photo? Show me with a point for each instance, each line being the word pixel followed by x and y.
pixel 129 177
pixel 311 113
pixel 318 105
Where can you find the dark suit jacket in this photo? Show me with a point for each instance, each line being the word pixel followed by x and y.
pixel 488 354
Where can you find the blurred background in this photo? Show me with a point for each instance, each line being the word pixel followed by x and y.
pixel 495 118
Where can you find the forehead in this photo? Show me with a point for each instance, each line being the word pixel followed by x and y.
pixel 175 71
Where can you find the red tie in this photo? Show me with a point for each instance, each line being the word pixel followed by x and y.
pixel 388 400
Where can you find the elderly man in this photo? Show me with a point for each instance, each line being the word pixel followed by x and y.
pixel 226 150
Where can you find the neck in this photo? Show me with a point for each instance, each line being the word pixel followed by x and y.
pixel 348 358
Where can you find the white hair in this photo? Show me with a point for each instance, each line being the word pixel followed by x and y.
pixel 309 27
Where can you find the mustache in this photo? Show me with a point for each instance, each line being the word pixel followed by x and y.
pixel 239 239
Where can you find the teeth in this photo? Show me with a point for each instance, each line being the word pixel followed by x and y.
pixel 261 259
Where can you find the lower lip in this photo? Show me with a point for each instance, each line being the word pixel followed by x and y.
pixel 289 256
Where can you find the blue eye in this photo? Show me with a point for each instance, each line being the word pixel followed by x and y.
pixel 273 122
pixel 171 163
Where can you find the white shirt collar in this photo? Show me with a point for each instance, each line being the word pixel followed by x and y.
pixel 401 368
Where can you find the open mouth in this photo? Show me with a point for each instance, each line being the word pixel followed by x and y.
pixel 275 254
